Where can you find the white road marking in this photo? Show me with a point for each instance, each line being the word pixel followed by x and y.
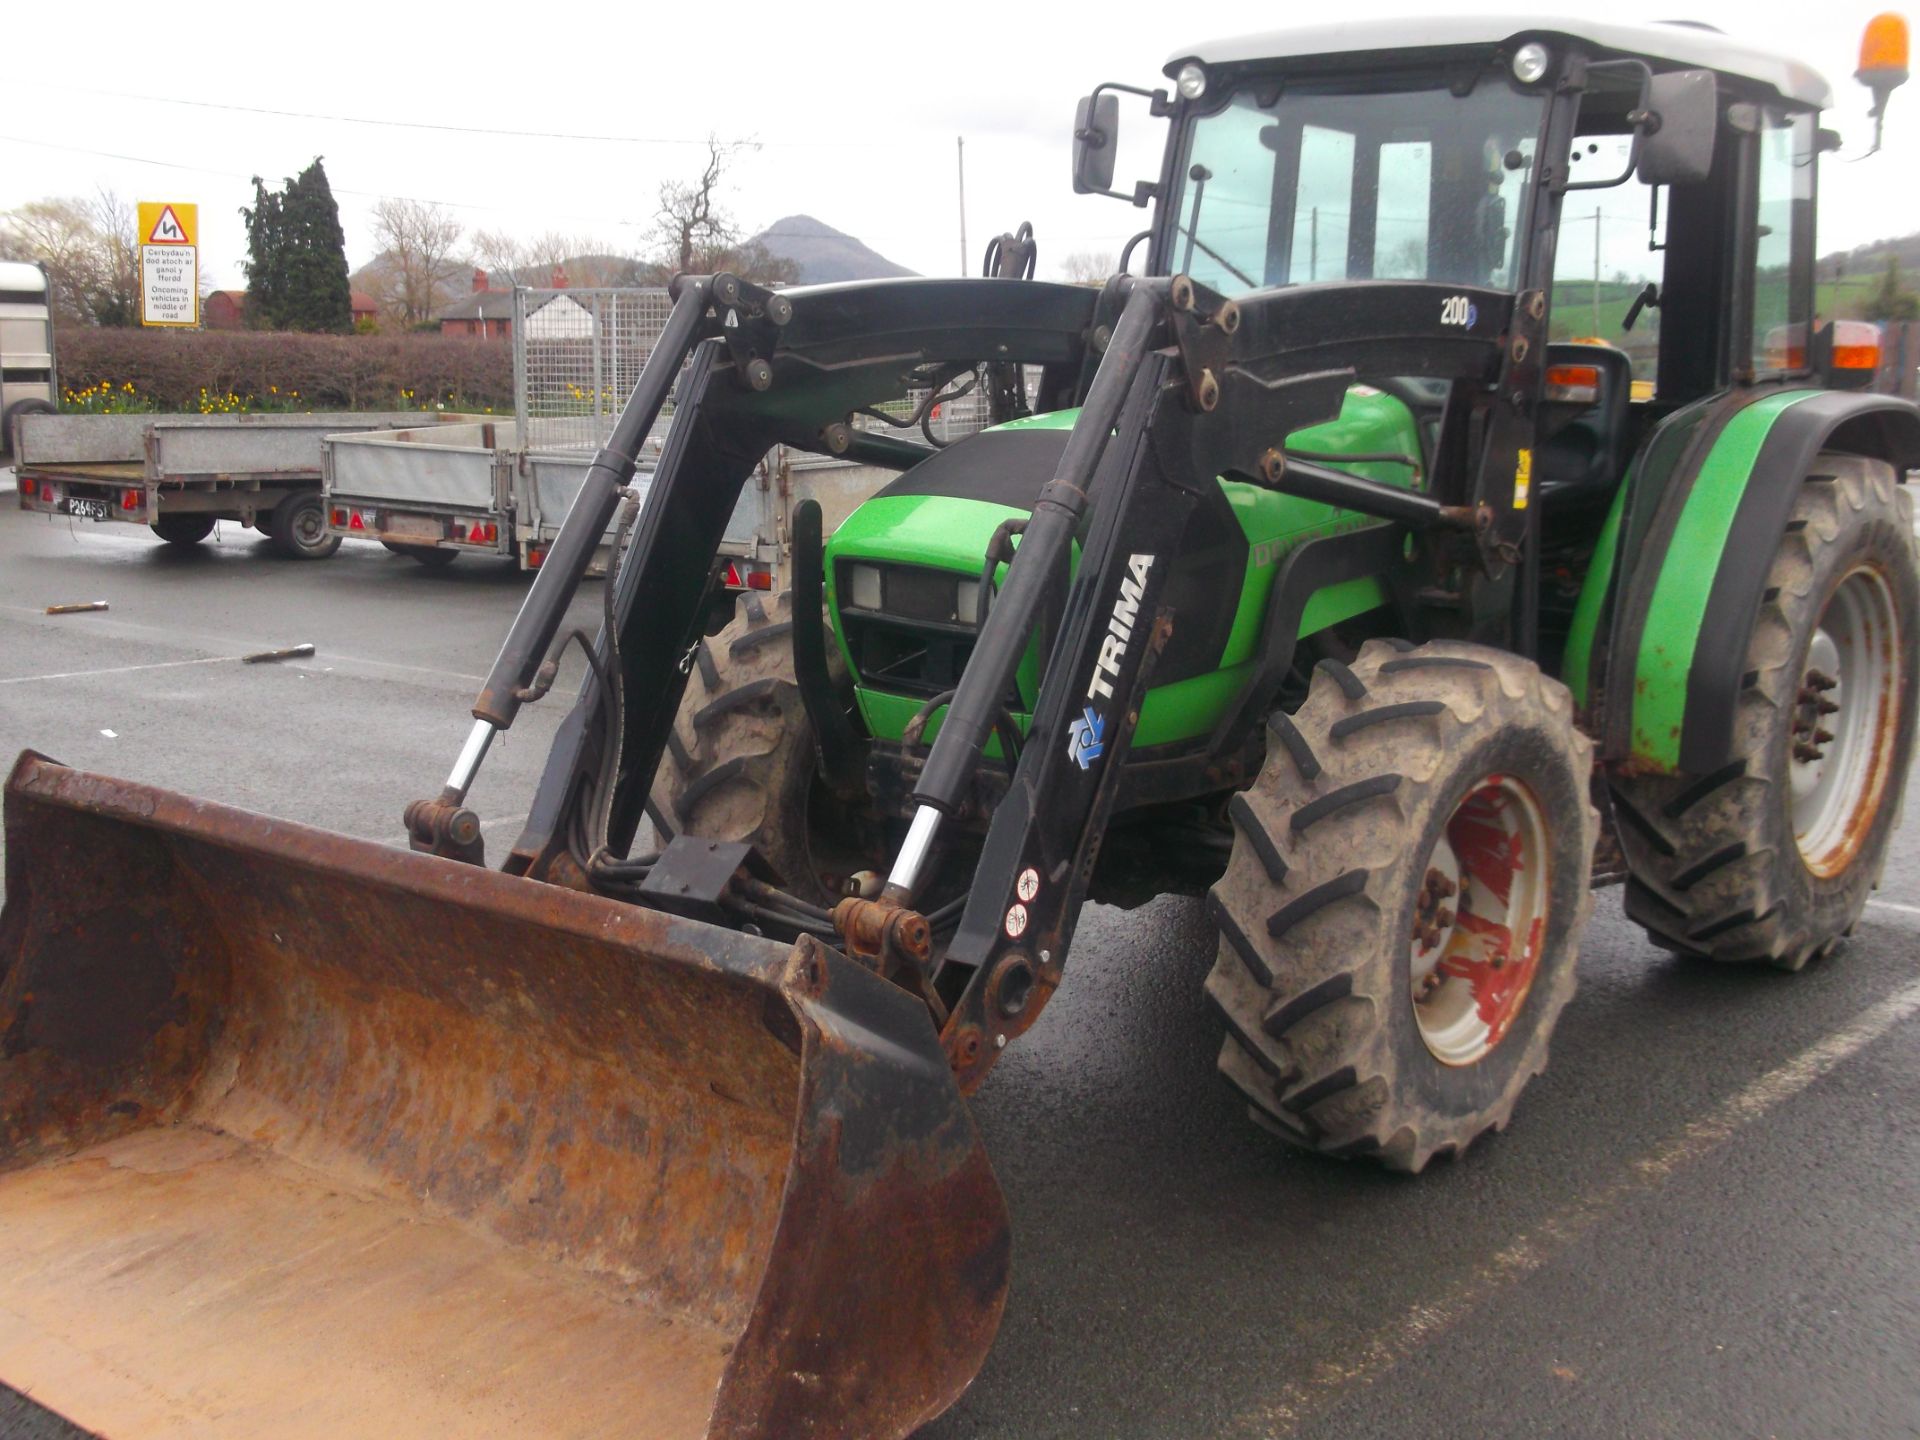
pixel 1895 906
pixel 1397 1341
pixel 118 670
pixel 181 639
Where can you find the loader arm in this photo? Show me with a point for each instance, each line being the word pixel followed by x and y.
pixel 1192 386
pixel 1188 386
pixel 846 348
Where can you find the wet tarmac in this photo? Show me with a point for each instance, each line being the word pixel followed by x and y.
pixel 1702 1222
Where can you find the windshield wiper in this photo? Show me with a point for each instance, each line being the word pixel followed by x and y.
pixel 1199 174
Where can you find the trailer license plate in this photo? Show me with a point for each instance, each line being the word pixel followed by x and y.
pixel 414 527
pixel 88 509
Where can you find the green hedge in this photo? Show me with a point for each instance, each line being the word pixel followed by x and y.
pixel 185 369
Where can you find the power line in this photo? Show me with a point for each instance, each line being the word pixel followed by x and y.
pixel 418 124
pixel 337 189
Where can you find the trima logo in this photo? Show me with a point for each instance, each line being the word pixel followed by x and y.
pixel 1086 738
pixel 1126 611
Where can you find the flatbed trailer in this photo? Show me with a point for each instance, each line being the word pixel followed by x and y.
pixel 179 474
pixel 439 492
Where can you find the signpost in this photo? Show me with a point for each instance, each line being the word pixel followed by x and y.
pixel 169 263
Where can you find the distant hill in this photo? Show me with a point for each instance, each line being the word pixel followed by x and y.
pixel 1846 279
pixel 1872 257
pixel 825 254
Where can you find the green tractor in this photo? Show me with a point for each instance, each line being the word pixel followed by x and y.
pixel 1510 601
pixel 1364 563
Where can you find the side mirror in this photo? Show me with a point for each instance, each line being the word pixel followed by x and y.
pixel 1684 118
pixel 1096 143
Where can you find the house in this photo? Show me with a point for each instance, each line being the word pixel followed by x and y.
pixel 561 318
pixel 485 314
pixel 227 309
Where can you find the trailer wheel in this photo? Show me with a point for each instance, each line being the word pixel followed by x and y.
pixel 740 762
pixel 1771 858
pixel 298 528
pixel 1401 913
pixel 16 412
pixel 185 531
pixel 434 557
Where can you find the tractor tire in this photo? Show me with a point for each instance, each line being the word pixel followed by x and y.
pixel 298 528
pixel 1369 1010
pixel 1771 858
pixel 184 531
pixel 740 762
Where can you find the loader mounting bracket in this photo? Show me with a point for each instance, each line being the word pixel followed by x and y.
pixel 1203 323
pixel 446 828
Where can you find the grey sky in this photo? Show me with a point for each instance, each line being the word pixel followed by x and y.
pixel 856 108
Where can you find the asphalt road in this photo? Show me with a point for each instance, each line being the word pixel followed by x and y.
pixel 1703 1222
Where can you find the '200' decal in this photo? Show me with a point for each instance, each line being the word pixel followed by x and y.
pixel 1459 310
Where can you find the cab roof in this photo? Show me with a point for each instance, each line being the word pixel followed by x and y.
pixel 1681 43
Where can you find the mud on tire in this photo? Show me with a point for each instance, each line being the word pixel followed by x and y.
pixel 740 761
pixel 1317 907
pixel 1716 869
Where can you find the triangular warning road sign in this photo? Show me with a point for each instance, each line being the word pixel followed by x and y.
pixel 167 230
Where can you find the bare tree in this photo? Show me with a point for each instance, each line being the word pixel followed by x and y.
pixel 1087 267
pixel 550 257
pixel 694 234
pixel 118 222
pixel 90 250
pixel 418 242
pixel 689 223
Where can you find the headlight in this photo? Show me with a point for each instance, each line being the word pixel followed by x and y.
pixel 1191 81
pixel 966 603
pixel 863 586
pixel 1530 62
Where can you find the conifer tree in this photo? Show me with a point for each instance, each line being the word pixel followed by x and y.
pixel 266 268
pixel 297 257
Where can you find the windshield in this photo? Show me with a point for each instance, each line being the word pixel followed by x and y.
pixel 1335 181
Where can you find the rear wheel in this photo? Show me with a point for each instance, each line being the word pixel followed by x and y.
pixel 435 557
pixel 298 528
pixel 1401 912
pixel 1771 858
pixel 185 531
pixel 9 423
pixel 741 762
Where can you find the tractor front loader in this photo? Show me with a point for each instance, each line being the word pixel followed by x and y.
pixel 1310 571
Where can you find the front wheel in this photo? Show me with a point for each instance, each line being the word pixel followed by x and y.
pixel 1771 858
pixel 740 761
pixel 298 528
pixel 1401 913
pixel 185 531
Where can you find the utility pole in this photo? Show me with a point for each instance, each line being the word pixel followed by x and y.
pixel 1596 271
pixel 960 149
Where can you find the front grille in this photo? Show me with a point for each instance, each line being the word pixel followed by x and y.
pixel 902 658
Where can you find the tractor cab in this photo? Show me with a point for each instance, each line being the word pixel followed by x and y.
pixel 1651 186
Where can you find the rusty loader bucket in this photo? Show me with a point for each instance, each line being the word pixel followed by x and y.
pixel 307 1136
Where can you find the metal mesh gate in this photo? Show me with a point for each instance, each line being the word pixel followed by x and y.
pixel 576 357
pixel 578 353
